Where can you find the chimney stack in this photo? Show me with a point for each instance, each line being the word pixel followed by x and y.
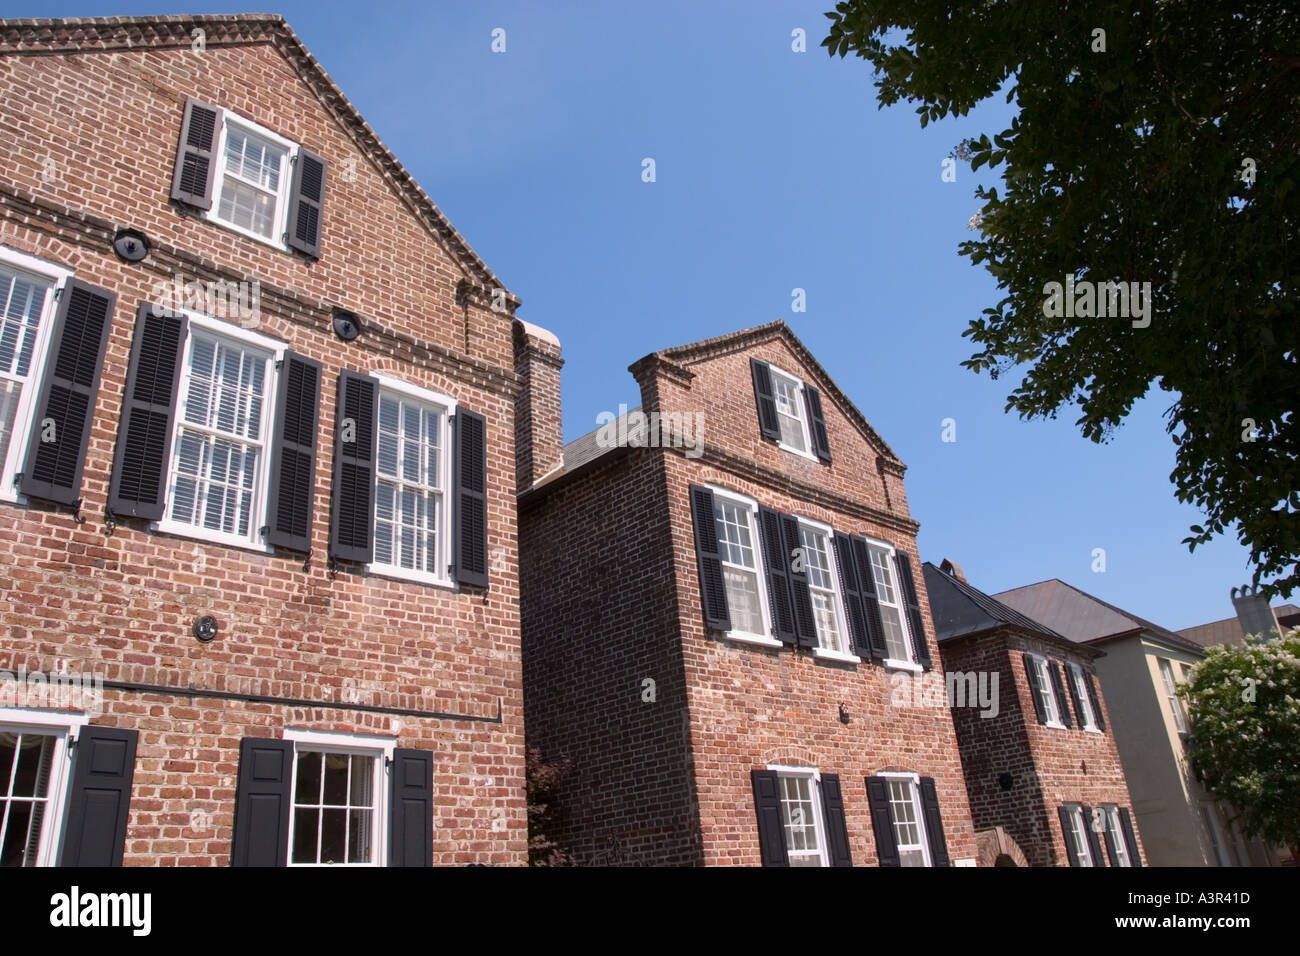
pixel 539 433
pixel 1253 612
pixel 953 568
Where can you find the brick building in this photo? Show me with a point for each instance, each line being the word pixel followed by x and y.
pixel 722 629
pixel 257 437
pixel 1042 771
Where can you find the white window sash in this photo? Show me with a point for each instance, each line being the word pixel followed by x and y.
pixel 814 777
pixel 446 407
pixel 888 552
pixel 800 412
pixel 844 650
pixel 64 726
pixel 57 278
pixel 364 745
pixel 288 168
pixel 750 507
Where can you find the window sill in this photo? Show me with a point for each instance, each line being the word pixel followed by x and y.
pixel 1055 725
pixel 407 575
pixel 1093 730
pixel 795 451
pixel 207 216
pixel 758 640
pixel 167 526
pixel 902 665
pixel 840 656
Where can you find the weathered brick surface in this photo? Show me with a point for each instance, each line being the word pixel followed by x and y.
pixel 1049 766
pixel 121 604
pixel 611 597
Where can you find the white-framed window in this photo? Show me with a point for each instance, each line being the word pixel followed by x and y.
pixel 1089 719
pixel 1046 690
pixel 833 636
pixel 340 798
pixel 1176 704
pixel 801 815
pixel 791 414
pixel 909 821
pixel 1077 836
pixel 898 644
pixel 35 763
pixel 1116 828
pixel 253 178
pixel 736 519
pixel 412 483
pixel 218 473
pixel 28 289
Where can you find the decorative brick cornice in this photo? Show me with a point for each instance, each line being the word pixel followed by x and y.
pixel 656 363
pixel 41 214
pixel 45 37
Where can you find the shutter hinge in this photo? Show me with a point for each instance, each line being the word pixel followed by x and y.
pixel 76 511
pixel 265 530
pixel 333 565
pixel 279 364
pixel 306 564
pixel 110 520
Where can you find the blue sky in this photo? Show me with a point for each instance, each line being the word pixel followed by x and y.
pixel 775 171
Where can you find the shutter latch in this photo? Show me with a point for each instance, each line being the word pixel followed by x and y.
pixel 306 564
pixel 76 511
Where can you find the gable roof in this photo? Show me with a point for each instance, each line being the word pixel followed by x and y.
pixel 114 34
pixel 680 357
pixel 960 610
pixel 1084 618
pixel 1228 631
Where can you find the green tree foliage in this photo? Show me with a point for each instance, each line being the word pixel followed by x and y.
pixel 1171 157
pixel 1244 703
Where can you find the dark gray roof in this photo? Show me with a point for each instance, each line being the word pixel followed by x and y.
pixel 588 447
pixel 1084 618
pixel 960 610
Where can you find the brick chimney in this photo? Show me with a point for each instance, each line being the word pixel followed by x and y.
pixel 539 434
pixel 953 568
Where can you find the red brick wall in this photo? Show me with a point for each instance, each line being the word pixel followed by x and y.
pixel 121 604
pixel 1050 766
pixel 746 706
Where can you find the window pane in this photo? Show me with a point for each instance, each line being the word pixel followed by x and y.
pixel 32 772
pixel 363 777
pixel 336 779
pixel 253 159
pixel 308 788
pixel 306 828
pixel 407 505
pixel 359 829
pixel 742 600
pixel 800 824
pixel 333 835
pixel 247 207
pixel 13 851
pixel 22 300
pixel 734 541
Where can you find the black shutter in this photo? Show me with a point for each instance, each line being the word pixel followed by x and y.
pixel 817 422
pixel 908 587
pixel 1031 672
pixel 1096 702
pixel 99 797
pixel 870 602
pixel 1067 831
pixel 1094 843
pixel 262 798
pixel 293 454
pixel 352 512
pixel 1072 684
pixel 882 822
pixel 144 434
pixel 67 398
pixel 411 809
pixel 767 805
pixel 1130 838
pixel 857 612
pixel 934 823
pixel 1111 849
pixel 776 564
pixel 768 423
pixel 1062 705
pixel 805 624
pixel 471 533
pixel 713 589
pixel 307 203
pixel 837 828
pixel 196 161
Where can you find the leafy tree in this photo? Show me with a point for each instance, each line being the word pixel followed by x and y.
pixel 1165 149
pixel 541 778
pixel 1244 702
